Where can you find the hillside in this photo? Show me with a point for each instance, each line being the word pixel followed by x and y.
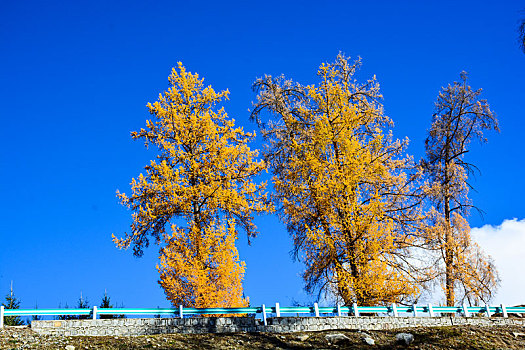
pixel 468 337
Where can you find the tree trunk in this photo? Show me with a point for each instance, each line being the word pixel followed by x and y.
pixel 449 258
pixel 449 239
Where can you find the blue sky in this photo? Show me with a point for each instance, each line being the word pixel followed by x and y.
pixel 76 78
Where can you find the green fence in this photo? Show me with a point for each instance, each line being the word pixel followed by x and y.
pixel 394 310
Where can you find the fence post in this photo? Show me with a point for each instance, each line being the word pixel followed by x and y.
pixel 430 310
pixel 277 310
pixel 487 309
pixel 1 316
pixel 316 310
pixel 465 310
pixel 414 310
pixel 94 312
pixel 181 311
pixel 356 311
pixel 394 309
pixel 264 314
pixel 338 310
pixel 504 310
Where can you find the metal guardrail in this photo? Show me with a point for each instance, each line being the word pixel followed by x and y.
pixel 354 310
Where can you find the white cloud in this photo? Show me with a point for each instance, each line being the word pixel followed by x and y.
pixel 506 244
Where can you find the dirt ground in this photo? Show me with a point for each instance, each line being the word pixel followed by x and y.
pixel 424 338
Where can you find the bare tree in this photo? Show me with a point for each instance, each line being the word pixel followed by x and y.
pixel 460 116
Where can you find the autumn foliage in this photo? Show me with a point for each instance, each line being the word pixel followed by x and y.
pixel 471 275
pixel 370 224
pixel 201 186
pixel 340 179
pixel 206 276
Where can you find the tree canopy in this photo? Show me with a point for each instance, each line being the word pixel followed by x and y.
pixel 12 302
pixel 201 187
pixel 342 183
pixel 371 225
pixel 460 116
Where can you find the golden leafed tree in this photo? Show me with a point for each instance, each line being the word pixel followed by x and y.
pixel 201 187
pixel 460 116
pixel 342 184
pixel 213 279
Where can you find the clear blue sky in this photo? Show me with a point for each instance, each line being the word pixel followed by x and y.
pixel 76 76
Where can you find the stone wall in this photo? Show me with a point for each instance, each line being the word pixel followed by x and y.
pixel 298 324
pixel 146 326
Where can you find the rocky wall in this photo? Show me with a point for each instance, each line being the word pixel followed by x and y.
pixel 147 326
